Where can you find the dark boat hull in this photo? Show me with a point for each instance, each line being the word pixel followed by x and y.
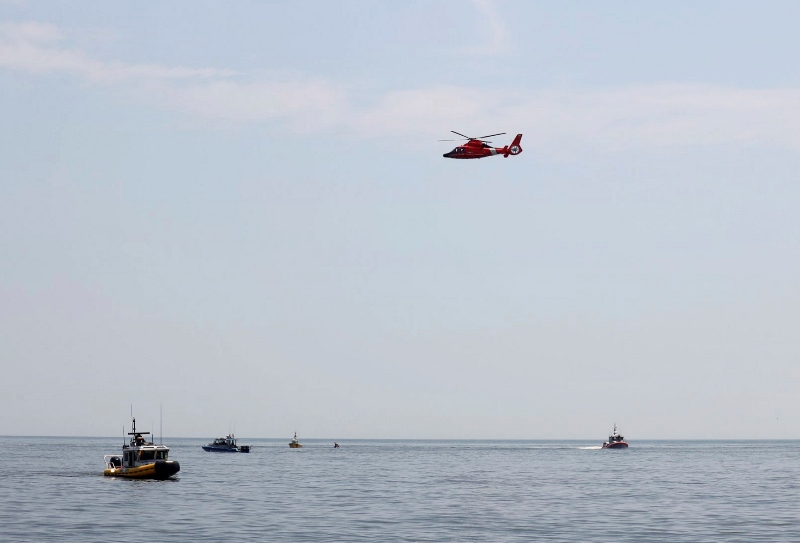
pixel 219 449
pixel 160 469
pixel 617 445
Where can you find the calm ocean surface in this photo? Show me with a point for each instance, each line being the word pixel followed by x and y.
pixel 52 489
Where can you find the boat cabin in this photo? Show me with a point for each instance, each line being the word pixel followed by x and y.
pixel 227 441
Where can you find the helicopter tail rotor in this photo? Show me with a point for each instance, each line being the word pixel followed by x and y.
pixel 514 148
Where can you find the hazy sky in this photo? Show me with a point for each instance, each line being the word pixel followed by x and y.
pixel 241 212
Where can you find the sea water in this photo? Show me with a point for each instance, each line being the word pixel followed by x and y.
pixel 52 489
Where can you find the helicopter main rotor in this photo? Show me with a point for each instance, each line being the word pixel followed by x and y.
pixel 481 138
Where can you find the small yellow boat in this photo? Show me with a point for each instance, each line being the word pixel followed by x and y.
pixel 141 459
pixel 294 444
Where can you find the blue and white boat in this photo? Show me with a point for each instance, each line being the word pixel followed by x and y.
pixel 226 444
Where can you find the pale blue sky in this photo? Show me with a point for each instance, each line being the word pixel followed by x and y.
pixel 242 213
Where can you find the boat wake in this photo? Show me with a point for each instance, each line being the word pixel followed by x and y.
pixel 592 448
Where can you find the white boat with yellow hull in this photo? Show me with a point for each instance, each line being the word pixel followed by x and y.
pixel 141 459
pixel 294 444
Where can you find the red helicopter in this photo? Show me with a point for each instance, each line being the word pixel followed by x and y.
pixel 479 147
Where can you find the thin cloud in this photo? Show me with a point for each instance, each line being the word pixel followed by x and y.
pixel 30 31
pixel 33 47
pixel 640 117
pixel 555 122
pixel 306 107
pixel 497 31
pixel 493 30
pixel 667 115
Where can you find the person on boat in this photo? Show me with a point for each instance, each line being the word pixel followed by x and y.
pixel 335 445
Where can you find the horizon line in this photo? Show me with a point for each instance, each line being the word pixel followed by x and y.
pixel 420 438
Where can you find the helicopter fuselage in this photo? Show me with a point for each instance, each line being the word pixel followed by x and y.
pixel 476 148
